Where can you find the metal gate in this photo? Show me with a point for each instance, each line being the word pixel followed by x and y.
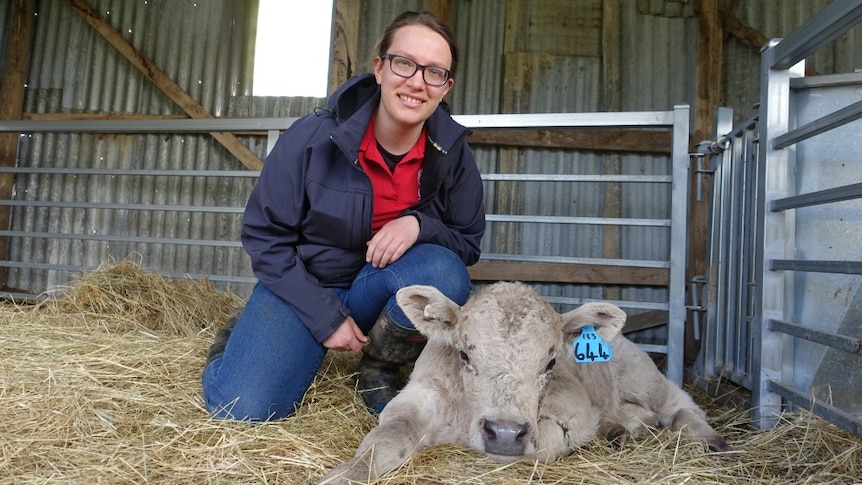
pixel 784 311
pixel 100 227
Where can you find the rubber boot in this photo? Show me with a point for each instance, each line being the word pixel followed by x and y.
pixel 389 348
pixel 217 348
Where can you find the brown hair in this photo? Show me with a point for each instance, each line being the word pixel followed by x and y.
pixel 420 18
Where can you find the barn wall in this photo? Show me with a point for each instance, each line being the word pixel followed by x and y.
pixel 519 57
pixel 74 70
pixel 776 19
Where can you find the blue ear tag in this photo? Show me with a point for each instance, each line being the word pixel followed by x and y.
pixel 591 347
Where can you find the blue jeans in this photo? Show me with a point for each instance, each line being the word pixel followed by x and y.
pixel 271 358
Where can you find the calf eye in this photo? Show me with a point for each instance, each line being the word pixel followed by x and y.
pixel 464 357
pixel 551 365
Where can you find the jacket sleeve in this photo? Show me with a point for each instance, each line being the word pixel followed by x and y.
pixel 459 222
pixel 270 236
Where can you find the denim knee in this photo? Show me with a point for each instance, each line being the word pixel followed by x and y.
pixel 268 364
pixel 442 269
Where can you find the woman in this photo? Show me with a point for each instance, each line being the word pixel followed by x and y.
pixel 377 192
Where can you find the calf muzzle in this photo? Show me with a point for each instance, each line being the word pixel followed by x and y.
pixel 506 438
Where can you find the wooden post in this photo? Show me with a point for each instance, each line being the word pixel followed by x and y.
pixel 612 162
pixel 442 9
pixel 12 103
pixel 710 44
pixel 344 56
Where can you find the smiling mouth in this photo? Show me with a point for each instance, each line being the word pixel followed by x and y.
pixel 408 99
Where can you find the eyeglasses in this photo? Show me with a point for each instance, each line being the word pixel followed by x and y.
pixel 406 68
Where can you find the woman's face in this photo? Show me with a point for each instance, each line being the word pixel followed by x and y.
pixel 410 101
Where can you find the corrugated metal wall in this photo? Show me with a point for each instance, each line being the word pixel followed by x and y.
pixel 203 47
pixel 776 19
pixel 552 61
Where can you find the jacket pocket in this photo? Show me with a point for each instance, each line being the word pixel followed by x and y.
pixel 339 218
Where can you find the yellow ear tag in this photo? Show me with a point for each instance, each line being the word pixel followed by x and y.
pixel 591 347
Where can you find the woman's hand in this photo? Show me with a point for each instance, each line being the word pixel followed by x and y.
pixel 392 241
pixel 348 337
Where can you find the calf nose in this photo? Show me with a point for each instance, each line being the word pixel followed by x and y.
pixel 505 437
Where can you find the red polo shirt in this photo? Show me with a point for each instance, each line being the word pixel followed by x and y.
pixel 393 191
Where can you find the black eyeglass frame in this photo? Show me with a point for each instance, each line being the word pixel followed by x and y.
pixel 418 67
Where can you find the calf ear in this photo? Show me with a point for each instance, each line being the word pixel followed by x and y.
pixel 608 320
pixel 430 310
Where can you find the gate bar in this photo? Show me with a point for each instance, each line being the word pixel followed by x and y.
pixel 831 22
pixel 836 341
pixel 832 120
pixel 835 267
pixel 834 415
pixel 837 194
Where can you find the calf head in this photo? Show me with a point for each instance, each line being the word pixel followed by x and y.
pixel 508 340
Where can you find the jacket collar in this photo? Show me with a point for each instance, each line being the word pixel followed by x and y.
pixel 352 96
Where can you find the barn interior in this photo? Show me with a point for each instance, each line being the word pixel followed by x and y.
pixel 693 161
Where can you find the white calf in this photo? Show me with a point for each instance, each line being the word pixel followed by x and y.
pixel 508 376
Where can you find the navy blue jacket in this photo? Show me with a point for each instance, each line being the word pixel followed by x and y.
pixel 309 216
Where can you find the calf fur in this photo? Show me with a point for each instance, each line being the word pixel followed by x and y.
pixel 498 375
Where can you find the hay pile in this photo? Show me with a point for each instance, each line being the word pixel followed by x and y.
pixel 102 385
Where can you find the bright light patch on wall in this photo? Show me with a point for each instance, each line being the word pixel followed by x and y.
pixel 292 48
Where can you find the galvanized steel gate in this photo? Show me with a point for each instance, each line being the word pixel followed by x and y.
pixel 784 311
pixel 112 209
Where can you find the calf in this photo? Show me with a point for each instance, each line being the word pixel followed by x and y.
pixel 508 376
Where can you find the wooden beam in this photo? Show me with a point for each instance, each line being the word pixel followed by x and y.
pixel 612 88
pixel 12 80
pixel 708 76
pixel 645 320
pixel 746 34
pixel 595 139
pixel 442 9
pixel 344 57
pixel 162 80
pixel 753 39
pixel 569 273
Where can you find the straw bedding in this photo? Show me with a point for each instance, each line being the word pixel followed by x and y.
pixel 101 385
